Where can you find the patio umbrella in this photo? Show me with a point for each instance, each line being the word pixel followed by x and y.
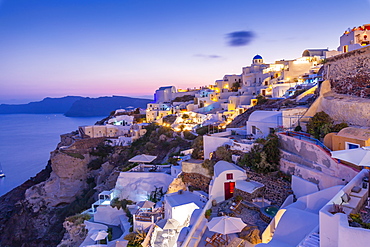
pixel 145 204
pixel 99 235
pixel 143 158
pixel 226 225
pixel 356 156
pixel 167 224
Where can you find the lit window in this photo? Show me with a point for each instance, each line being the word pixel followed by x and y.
pixel 229 176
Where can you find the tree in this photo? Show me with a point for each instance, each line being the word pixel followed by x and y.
pixel 223 153
pixel 320 125
pixel 264 156
pixel 235 87
pixel 261 99
pixel 198 152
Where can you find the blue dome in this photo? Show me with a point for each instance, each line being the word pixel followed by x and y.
pixel 257 57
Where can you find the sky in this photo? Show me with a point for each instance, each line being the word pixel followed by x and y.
pixel 54 48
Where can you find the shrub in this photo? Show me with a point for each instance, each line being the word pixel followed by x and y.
pixel 120 203
pixel 198 152
pixel 320 125
pixel 189 136
pixel 264 156
pixel 102 150
pixel 208 213
pixel 209 165
pixel 261 99
pixel 78 219
pixel 339 127
pixel 95 164
pixel 74 155
pixel 223 153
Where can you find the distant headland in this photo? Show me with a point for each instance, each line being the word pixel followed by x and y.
pixel 76 106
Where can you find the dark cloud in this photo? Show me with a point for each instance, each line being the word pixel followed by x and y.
pixel 208 56
pixel 240 38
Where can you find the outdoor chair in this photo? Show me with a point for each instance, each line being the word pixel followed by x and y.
pixel 210 242
pixel 237 208
pixel 217 237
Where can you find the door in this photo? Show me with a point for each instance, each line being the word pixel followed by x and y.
pixel 229 189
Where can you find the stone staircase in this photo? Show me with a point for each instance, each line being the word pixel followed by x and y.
pixel 312 240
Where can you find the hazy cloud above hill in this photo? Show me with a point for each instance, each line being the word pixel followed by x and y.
pixel 207 56
pixel 239 38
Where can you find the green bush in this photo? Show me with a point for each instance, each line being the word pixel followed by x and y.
pixel 264 157
pixel 95 164
pixel 320 125
pixel 202 130
pixel 208 213
pixel 102 150
pixel 339 127
pixel 209 165
pixel 261 99
pixel 197 146
pixel 188 135
pixel 223 153
pixel 78 219
pixel 75 155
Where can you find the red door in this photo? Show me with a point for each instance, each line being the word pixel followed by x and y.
pixel 229 189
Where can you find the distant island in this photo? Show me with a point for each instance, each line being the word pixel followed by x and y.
pixel 76 106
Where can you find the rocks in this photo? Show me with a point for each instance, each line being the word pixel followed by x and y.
pixel 196 180
pixel 176 185
pixel 33 214
pixel 251 234
pixel 276 190
pixel 74 236
pixel 66 182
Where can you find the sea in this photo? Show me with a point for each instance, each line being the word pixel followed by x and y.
pixel 26 141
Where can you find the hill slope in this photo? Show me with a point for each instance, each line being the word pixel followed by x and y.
pixel 89 107
pixel 47 105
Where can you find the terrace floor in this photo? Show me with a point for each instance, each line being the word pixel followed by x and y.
pixel 250 217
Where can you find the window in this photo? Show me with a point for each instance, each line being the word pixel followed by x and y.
pixel 229 176
pixel 254 130
pixel 352 145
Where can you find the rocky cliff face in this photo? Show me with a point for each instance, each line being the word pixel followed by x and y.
pixel 33 213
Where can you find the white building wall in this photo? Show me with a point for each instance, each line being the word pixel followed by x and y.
pixel 137 186
pixel 217 191
pixel 262 126
pixel 182 213
pixel 211 143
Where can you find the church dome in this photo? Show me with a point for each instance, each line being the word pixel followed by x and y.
pixel 257 57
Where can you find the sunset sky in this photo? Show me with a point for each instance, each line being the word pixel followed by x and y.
pixel 131 47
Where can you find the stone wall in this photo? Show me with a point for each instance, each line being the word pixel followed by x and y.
pixel 275 188
pixel 309 161
pixel 349 73
pixel 195 166
pixel 196 180
pixel 249 196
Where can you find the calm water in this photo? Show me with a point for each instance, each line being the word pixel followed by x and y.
pixel 26 141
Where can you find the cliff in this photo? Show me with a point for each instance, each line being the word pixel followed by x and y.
pixel 33 213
